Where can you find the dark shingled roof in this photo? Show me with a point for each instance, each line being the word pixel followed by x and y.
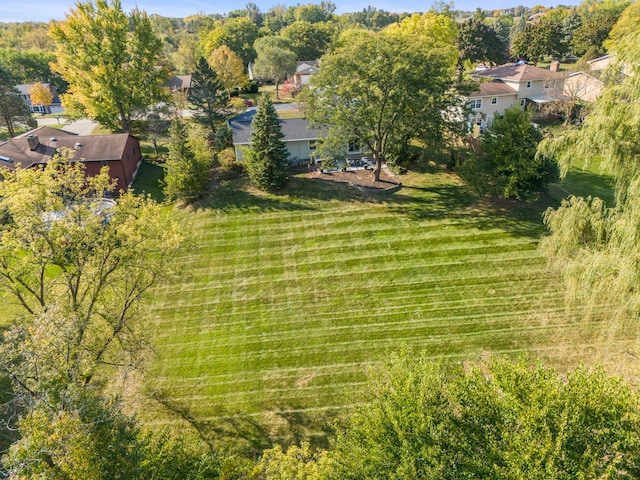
pixel 518 73
pixel 88 148
pixel 292 128
pixel 179 82
pixel 493 88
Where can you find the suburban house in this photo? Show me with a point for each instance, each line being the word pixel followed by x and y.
pixel 600 63
pixel 304 70
pixel 582 86
pixel 120 152
pixel 180 83
pixel 299 137
pixel 56 104
pixel 511 84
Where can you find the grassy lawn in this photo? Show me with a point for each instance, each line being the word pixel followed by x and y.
pixel 284 302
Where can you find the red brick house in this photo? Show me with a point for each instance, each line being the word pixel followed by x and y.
pixel 119 151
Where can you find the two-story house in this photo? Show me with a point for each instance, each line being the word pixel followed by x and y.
pixel 511 84
pixel 25 94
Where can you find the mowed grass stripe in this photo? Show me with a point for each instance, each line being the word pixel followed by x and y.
pixel 284 302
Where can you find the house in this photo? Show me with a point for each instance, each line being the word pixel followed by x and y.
pixel 600 63
pixel 180 83
pixel 56 104
pixel 300 138
pixel 511 84
pixel 582 86
pixel 120 152
pixel 303 73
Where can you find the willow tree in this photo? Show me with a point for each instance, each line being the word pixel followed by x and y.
pixel 110 60
pixel 384 89
pixel 598 245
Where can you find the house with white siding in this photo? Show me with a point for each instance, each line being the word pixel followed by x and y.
pixel 511 84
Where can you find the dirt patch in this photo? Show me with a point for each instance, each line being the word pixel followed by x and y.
pixel 361 178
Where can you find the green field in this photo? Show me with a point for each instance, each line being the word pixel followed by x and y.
pixel 284 302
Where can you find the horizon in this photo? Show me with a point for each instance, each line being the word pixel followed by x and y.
pixel 45 11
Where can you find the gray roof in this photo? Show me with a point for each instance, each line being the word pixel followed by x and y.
pixel 293 128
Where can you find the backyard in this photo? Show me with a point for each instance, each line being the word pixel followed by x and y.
pixel 284 302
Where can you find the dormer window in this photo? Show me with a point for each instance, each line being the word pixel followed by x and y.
pixel 529 84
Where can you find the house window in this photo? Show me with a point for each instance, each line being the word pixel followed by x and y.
pixel 523 102
pixel 475 104
pixel 494 101
pixel 529 84
pixel 313 145
pixel 354 147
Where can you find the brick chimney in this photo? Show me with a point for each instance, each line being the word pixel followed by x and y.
pixel 33 142
pixel 554 66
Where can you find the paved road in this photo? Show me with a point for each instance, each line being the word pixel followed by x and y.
pixel 81 127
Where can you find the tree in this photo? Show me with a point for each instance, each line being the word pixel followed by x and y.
pixel 275 60
pixel 41 95
pixel 267 156
pixel 500 420
pixel 540 39
pixel 595 245
pixel 79 268
pixel 384 89
pixel 209 103
pixel 508 166
pixel 110 60
pixel 229 68
pixel 238 34
pixel 598 18
pixel 189 162
pixel 299 463
pixel 12 108
pixel 480 43
pixel 309 40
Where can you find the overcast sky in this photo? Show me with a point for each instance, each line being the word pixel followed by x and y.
pixel 45 10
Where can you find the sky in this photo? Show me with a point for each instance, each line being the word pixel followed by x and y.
pixel 45 10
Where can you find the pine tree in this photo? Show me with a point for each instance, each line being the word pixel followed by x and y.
pixel 207 96
pixel 190 159
pixel 267 156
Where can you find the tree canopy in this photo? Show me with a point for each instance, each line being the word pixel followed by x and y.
pixel 12 109
pixel 239 34
pixel 110 61
pixel 383 89
pixel 275 59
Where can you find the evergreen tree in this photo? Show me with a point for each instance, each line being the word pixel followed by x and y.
pixel 190 159
pixel 207 96
pixel 12 108
pixel 267 156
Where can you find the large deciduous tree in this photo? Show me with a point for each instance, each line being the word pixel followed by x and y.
pixel 110 60
pixel 239 34
pixel 480 43
pixel 507 165
pixel 540 39
pixel 229 68
pixel 12 108
pixel 597 245
pixel 275 60
pixel 309 40
pixel 267 156
pixel 500 420
pixel 41 95
pixel 383 89
pixel 83 267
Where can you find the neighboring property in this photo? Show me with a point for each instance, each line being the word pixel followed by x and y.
pixel 180 83
pixel 582 86
pixel 304 70
pixel 600 63
pixel 299 137
pixel 511 84
pixel 120 152
pixel 56 104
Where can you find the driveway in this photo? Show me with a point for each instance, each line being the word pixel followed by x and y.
pixel 81 127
